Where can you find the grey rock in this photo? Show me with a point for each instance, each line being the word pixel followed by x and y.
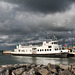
pixel 73 71
pixel 52 68
pixel 64 67
pixel 31 72
pixel 40 65
pixel 33 65
pixel 65 72
pixel 40 69
pixel 18 71
pixel 25 73
pixel 43 71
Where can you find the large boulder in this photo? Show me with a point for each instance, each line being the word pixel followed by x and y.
pixel 43 71
pixel 73 71
pixel 63 67
pixel 65 72
pixel 33 71
pixel 53 68
pixel 18 71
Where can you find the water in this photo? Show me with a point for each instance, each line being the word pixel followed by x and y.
pixel 9 59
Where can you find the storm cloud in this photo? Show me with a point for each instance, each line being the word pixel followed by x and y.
pixel 43 5
pixel 27 20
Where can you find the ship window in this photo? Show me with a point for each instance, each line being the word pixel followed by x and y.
pixel 52 42
pixel 45 49
pixel 55 42
pixel 40 49
pixel 62 48
pixel 70 50
pixel 56 49
pixel 30 50
pixel 59 48
pixel 49 46
pixel 34 48
pixel 19 50
pixel 50 49
pixel 23 51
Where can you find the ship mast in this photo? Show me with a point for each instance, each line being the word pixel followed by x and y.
pixel 72 30
pixel 54 38
pixel 72 39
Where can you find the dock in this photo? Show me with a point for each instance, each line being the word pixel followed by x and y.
pixel 7 51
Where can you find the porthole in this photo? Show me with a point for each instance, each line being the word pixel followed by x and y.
pixel 50 49
pixel 45 49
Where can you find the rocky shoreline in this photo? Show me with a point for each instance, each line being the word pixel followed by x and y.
pixel 40 69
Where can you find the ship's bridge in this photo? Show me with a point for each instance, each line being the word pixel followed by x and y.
pixel 53 42
pixel 50 43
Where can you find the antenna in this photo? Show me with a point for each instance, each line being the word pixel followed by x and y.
pixel 72 30
pixel 54 38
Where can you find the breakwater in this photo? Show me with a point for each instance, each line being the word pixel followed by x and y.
pixel 40 69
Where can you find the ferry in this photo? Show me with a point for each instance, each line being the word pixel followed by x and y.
pixel 50 49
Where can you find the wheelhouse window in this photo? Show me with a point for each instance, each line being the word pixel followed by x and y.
pixel 55 42
pixel 56 48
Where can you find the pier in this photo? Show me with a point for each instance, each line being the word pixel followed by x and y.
pixel 6 51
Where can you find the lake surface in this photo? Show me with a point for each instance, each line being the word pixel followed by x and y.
pixel 10 59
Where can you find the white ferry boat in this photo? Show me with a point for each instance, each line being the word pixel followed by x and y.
pixel 50 49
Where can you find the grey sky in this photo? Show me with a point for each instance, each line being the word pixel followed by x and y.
pixel 22 20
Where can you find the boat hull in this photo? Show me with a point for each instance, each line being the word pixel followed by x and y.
pixel 71 54
pixel 63 55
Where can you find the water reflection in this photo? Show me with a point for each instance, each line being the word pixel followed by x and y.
pixel 41 60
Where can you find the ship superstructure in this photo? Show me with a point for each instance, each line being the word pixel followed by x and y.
pixel 51 48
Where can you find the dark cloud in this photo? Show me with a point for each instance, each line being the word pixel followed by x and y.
pixel 44 6
pixel 48 5
pixel 25 20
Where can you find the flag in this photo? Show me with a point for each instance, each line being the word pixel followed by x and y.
pixel 64 45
